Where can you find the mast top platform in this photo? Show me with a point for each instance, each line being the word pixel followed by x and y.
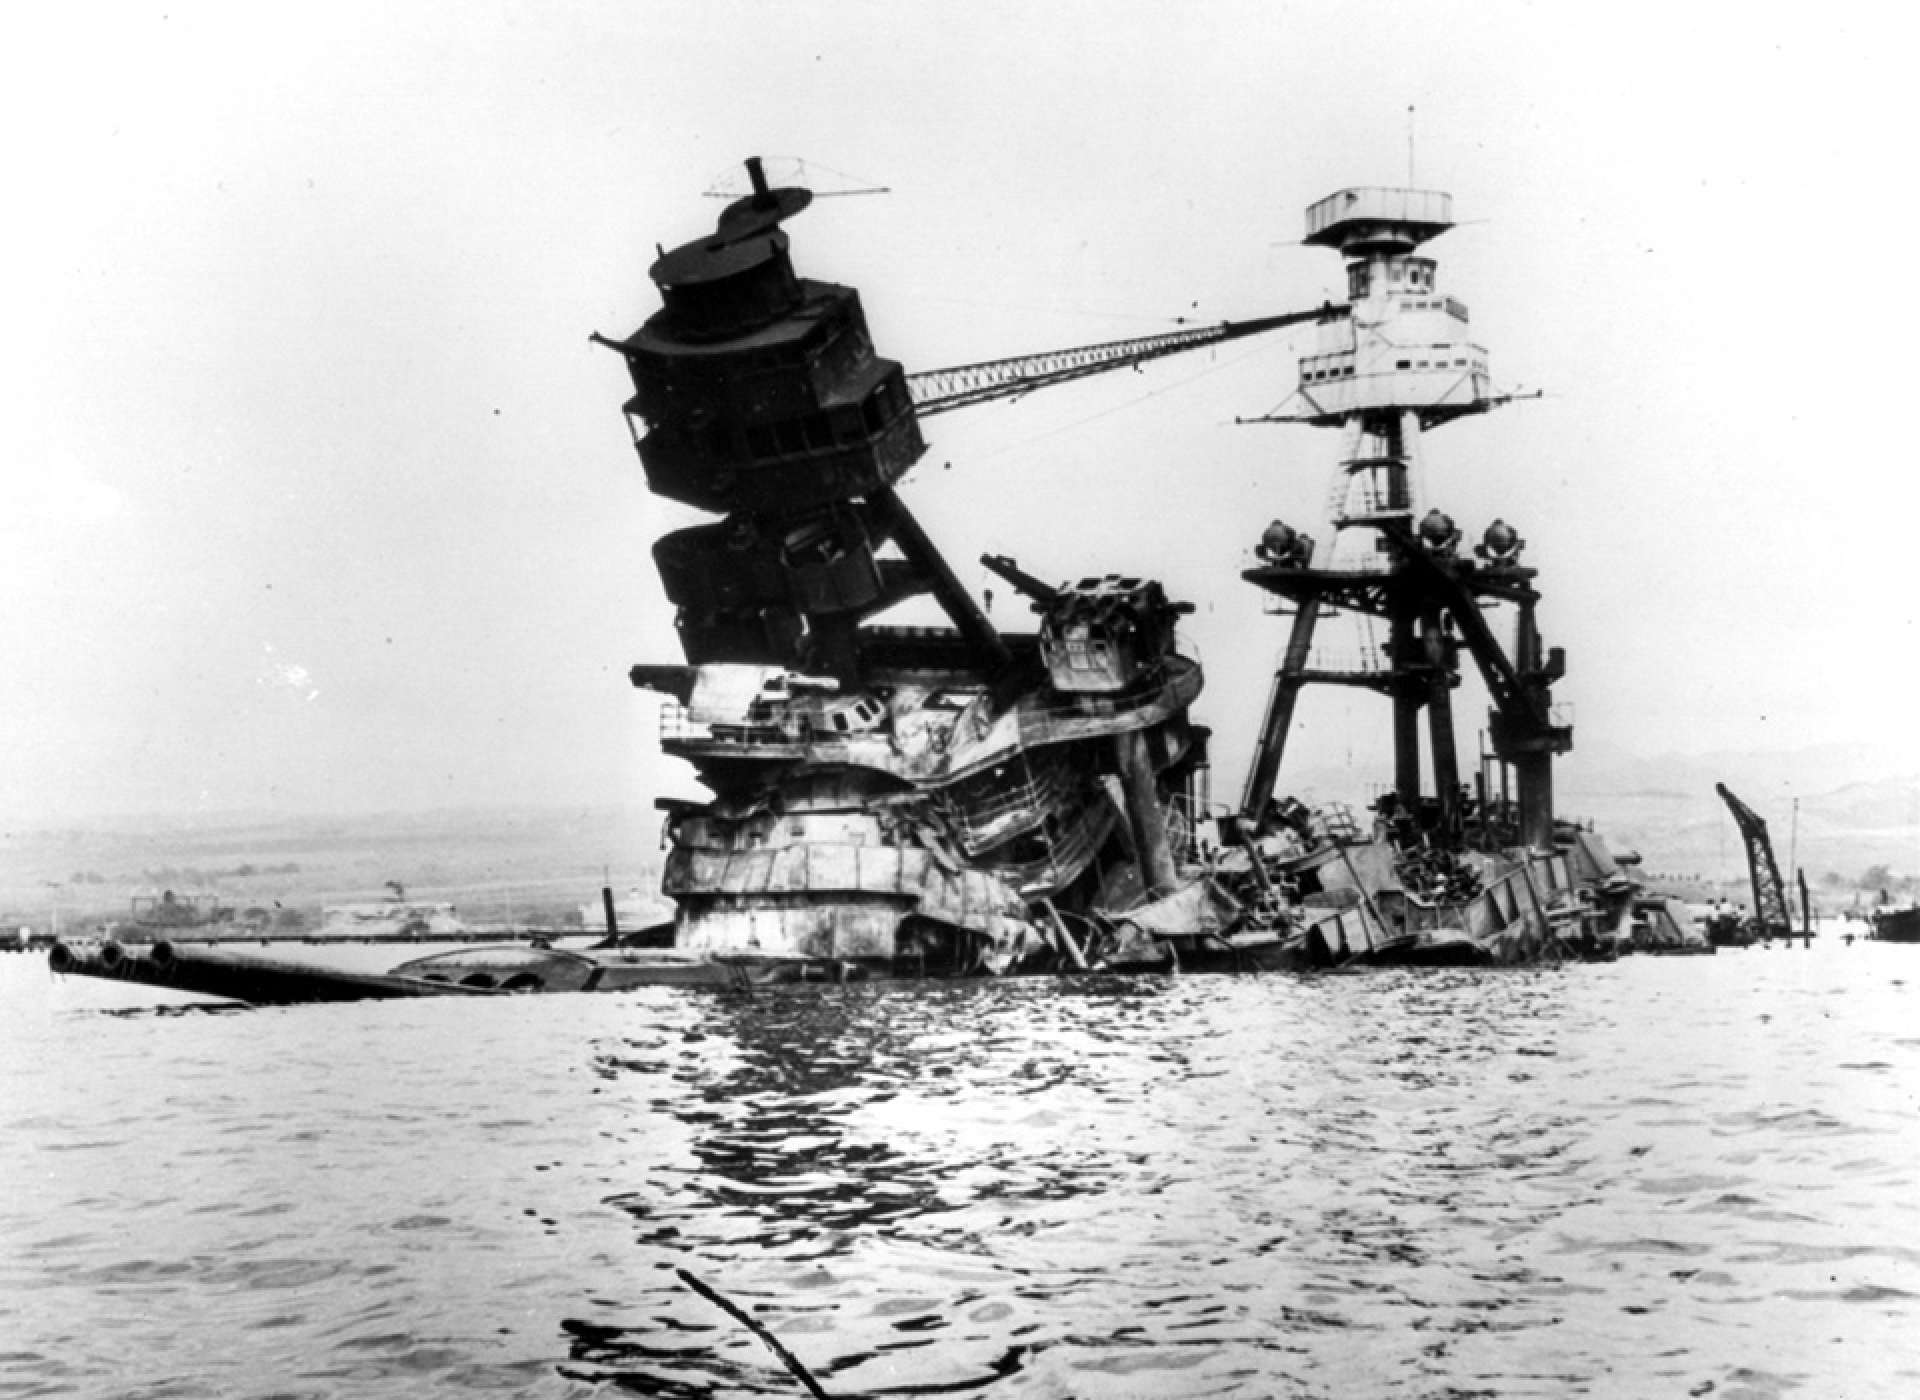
pixel 1371 218
pixel 737 244
pixel 762 210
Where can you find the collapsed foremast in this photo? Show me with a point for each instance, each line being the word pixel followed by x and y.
pixel 940 799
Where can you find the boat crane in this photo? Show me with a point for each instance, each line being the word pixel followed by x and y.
pixel 941 390
pixel 959 386
pixel 1771 916
pixel 760 207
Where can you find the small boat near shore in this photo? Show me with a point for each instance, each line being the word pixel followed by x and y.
pixel 1895 925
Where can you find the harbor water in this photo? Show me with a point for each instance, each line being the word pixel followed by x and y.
pixel 1659 1177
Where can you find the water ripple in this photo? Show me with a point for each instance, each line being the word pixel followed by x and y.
pixel 1687 1177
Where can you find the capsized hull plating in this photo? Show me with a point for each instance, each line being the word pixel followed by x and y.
pixel 506 970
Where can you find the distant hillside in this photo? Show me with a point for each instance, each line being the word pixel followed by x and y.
pixel 491 864
pixel 1856 809
pixel 1829 811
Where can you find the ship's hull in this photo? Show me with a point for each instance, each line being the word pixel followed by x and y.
pixel 868 911
pixel 1897 925
pixel 506 970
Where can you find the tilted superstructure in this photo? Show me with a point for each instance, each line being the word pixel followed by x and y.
pixel 938 799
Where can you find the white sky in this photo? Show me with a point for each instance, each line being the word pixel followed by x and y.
pixel 314 495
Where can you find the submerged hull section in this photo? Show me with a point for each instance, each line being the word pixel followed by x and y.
pixel 508 970
pixel 221 972
pixel 1323 895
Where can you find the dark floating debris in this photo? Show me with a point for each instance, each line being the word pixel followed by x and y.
pixel 759 1329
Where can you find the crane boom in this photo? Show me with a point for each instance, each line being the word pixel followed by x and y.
pixel 938 390
pixel 1770 915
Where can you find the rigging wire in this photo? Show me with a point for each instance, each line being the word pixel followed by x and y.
pixel 731 183
pixel 1056 309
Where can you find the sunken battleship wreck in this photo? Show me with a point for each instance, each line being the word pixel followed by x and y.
pixel 957 800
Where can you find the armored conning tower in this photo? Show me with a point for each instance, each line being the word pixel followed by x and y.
pixel 758 395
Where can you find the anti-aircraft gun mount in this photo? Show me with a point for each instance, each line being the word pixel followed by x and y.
pixel 1432 597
